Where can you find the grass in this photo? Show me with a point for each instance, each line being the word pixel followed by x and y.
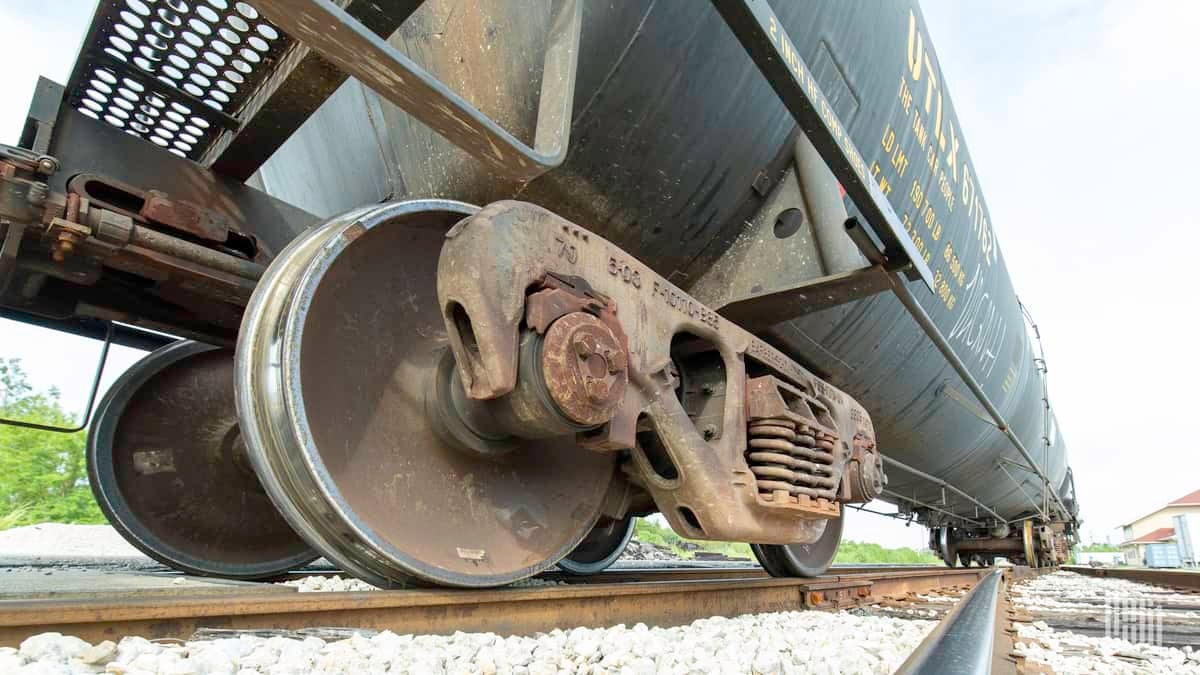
pixel 863 552
pixel 13 517
pixel 649 532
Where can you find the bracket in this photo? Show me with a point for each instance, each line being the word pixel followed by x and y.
pixel 330 31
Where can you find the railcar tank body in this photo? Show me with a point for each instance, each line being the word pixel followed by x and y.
pixel 678 143
pixel 687 315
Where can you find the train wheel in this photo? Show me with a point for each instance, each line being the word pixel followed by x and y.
pixel 801 560
pixel 600 548
pixel 167 466
pixel 1028 543
pixel 946 546
pixel 342 361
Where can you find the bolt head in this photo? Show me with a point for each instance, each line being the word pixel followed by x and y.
pixel 583 366
pixel 617 361
pixel 584 346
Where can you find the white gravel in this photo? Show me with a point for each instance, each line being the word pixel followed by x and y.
pixel 1067 653
pixel 1073 593
pixel 335 583
pixel 785 642
pixel 1081 598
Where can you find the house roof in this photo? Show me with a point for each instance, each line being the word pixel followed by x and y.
pixel 1192 498
pixel 1161 534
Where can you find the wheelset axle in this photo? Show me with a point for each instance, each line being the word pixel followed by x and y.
pixel 433 393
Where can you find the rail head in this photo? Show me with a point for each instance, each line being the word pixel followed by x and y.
pixel 962 643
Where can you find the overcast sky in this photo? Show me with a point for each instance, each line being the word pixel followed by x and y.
pixel 1083 121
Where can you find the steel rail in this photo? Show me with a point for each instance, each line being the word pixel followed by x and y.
pixel 676 572
pixel 614 575
pixel 104 615
pixel 1176 578
pixel 962 642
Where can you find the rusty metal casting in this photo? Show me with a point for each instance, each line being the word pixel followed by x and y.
pixel 690 406
pixel 791 454
pixel 159 208
pixel 585 368
pixel 864 474
pixel 198 270
pixel 184 216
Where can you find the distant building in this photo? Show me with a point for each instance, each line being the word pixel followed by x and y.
pixel 1099 557
pixel 1158 527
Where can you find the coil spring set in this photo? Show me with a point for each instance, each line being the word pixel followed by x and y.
pixel 792 457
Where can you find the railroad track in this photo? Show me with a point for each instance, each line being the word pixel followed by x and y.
pixel 1184 579
pixel 662 597
pixel 978 635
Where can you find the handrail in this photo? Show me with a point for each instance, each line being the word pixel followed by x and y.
pixel 343 41
pixel 938 481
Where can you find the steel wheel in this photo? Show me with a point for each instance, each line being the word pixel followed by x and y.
pixel 167 466
pixel 600 548
pixel 802 560
pixel 1027 543
pixel 337 361
pixel 947 546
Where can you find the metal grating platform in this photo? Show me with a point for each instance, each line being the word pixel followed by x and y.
pixel 174 72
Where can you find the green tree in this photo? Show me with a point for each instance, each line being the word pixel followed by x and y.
pixel 862 552
pixel 43 475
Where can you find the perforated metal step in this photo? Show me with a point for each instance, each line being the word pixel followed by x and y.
pixel 174 72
